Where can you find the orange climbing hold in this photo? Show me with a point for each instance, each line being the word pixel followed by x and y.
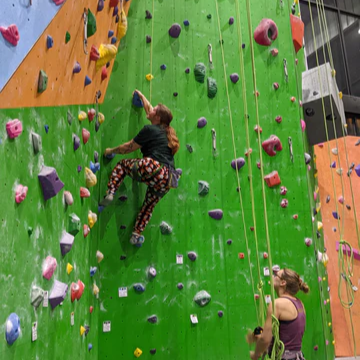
pixel 297 29
pixel 272 179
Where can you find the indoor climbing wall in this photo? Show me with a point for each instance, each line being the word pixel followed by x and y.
pixel 50 154
pixel 223 252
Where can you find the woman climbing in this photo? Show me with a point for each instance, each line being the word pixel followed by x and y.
pixel 158 143
pixel 290 312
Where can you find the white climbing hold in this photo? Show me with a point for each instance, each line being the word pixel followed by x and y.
pixel 335 151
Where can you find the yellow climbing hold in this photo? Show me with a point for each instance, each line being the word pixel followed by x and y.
pixel 318 208
pixel 324 278
pixel 69 268
pixel 123 25
pixel 149 77
pixel 91 179
pixel 82 116
pixel 340 95
pixel 319 225
pixel 296 1
pixel 95 289
pixel 107 52
pixel 82 330
pixel 333 342
pixel 92 219
pixel 333 72
pixel 329 324
pixel 101 117
pixel 137 352
pixel 325 259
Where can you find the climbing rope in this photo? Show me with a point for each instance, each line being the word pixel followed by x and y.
pixel 151 47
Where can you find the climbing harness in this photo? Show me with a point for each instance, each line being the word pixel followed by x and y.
pixel 85 15
pixel 291 149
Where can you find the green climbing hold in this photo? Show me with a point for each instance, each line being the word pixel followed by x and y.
pixel 202 298
pixel 212 87
pixel 43 80
pixel 209 16
pixel 30 230
pixel 203 188
pixel 199 71
pixel 67 37
pixel 74 224
pixel 165 228
pixel 91 25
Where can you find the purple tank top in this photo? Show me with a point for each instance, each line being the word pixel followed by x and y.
pixel 291 332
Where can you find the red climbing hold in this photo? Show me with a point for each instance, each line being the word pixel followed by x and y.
pixel 266 32
pixel 85 135
pixel 94 53
pixel 77 290
pixel 258 129
pixel 104 73
pixel 86 230
pixel 241 255
pixel 91 309
pixel 91 114
pixel 297 29
pixel 84 193
pixel 58 2
pixel 272 179
pixel 113 3
pixel 274 52
pixel 272 145
pixel 265 255
pixel 10 34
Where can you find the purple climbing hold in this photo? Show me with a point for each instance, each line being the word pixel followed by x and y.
pixel 76 68
pixel 115 11
pixel 123 198
pixel 333 164
pixel 186 22
pixel 163 67
pixel 117 19
pixel 231 20
pixel 243 46
pixel 175 94
pixel 192 255
pixel 76 142
pixel 100 6
pixel 87 81
pixel 234 78
pixel 201 122
pixel 238 163
pixel 220 313
pixel 229 242
pixel 152 351
pixel 175 31
pixel 79 168
pixel 335 215
pixel 50 182
pixel 110 34
pixel 187 71
pixel 152 319
pixel 216 214
pixel 179 171
pixel 58 294
pixel 180 286
pixel 357 170
pixel 148 39
pixel 66 243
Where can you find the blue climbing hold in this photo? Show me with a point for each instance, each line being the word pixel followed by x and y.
pixel 333 164
pixel 90 347
pixel 357 170
pixel 49 42
pixel 115 11
pixel 100 208
pixel 94 167
pixel 87 81
pixel 137 102
pixel 186 22
pixel 335 215
pixel 46 128
pixel 12 328
pixel 163 67
pixel 100 6
pixel 139 287
pixel 110 156
pixel 110 33
pixel 93 270
pixel 113 40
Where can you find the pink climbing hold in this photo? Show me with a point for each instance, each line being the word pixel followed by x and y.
pixel 295 216
pixel 91 309
pixel 266 32
pixel 216 214
pixel 284 203
pixel 308 242
pixel 258 129
pixel 21 192
pixel 68 198
pixel 272 145
pixel 49 267
pixel 10 34
pixel 91 114
pixel 104 73
pixel 85 135
pixel 341 199
pixel 58 2
pixel 14 128
pixel 84 192
pixel 274 52
pixel 278 119
pixel 276 86
pixel 293 99
pixel 283 190
pixel 86 230
pixel 303 125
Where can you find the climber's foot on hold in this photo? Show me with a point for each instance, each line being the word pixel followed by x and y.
pixel 137 239
pixel 105 202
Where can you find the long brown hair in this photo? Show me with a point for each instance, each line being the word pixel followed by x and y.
pixel 293 282
pixel 165 119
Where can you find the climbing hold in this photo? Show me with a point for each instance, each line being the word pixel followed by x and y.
pixel 241 256
pixel 66 243
pixel 101 118
pixel 357 170
pixel 234 78
pixel 90 177
pixel 67 37
pixel 335 215
pixel 104 73
pixel 203 188
pixel 136 101
pixel 85 135
pixel 187 70
pixel 14 128
pixel 333 165
pixel 274 52
pixel 107 52
pixel 91 309
pixel 46 127
pixel 339 171
pixel 137 352
pixel 49 267
pixel 37 296
pixel 175 30
pixel 100 6
pixel 91 114
pixel 163 67
pixel 96 290
pixel 10 34
pixel 192 255
pixel 357 143
pixel 86 230
pixel 202 298
pixel 152 351
pixel 139 287
pixel 341 199
pixel 99 256
pixel 58 293
pixel 165 228
pixel 348 207
pixel 94 53
pixel 123 198
pixel 92 219
pixel 96 157
pixel 152 272
pixel 216 214
pixel 49 42
pixel 69 268
pixel 199 72
pixel 114 40
pixel 238 163
pixel 110 156
pixel 91 23
pixel 82 329
pixel 94 167
pixel 248 152
pixel 175 94
pixel 293 99
pixel 76 68
pixel 12 327
pixel 335 151
pixel 82 116
pixel 77 290
pixel 113 3
pixel 272 145
pixel 276 86
pixel 307 158
pixel 180 286
pixel 84 193
pixel 303 125
pixel 278 119
pixel 76 140
pixel 284 203
pixel 266 32
pixel 148 14
pixel 201 122
pixel 149 77
pixel 74 224
pixel 115 11
pixel 265 255
pixel 148 39
pixel 37 144
pixel 50 182
pixel 308 242
pixel 231 20
pixel 87 81
pixel 186 22
pixel 258 129
pixel 58 2
pixel 283 190
pixel 211 87
pixel 229 241
pixel 272 179
pixel 20 193
pixel 152 319
pixel 297 30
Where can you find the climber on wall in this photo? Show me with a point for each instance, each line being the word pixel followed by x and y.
pixel 158 143
pixel 290 312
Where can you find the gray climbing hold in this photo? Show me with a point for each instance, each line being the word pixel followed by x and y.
pixel 203 188
pixel 74 224
pixel 37 144
pixel 37 296
pixel 152 319
pixel 234 78
pixel 50 182
pixel 180 286
pixel 202 298
pixel 58 293
pixel 216 214
pixel 189 147
pixel 175 31
pixel 192 255
pixel 307 158
pixel 96 156
pixel 201 122
pixel 200 71
pixel 238 163
pixel 139 287
pixel 212 87
pixel 165 228
pixel 70 117
pixel 66 243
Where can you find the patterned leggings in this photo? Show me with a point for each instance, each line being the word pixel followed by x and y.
pixel 148 171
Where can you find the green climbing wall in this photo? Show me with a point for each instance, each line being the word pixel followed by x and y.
pixel 21 255
pixel 218 269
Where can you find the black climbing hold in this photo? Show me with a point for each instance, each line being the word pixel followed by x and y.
pixel 152 351
pixel 108 64
pixel 315 93
pixel 180 286
pixel 117 19
pixel 123 198
pixel 122 227
pixel 314 211
pixel 327 199
pixel 348 207
pixel 175 94
pixel 318 235
pixel 229 242
pixel 152 319
pixel 293 9
pixel 220 313
pixel 187 70
pixel 148 14
pixel 334 229
pixel 243 46
pixel 148 39
pixel 192 255
pixel 209 16
pixel 122 257
pixel 189 147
